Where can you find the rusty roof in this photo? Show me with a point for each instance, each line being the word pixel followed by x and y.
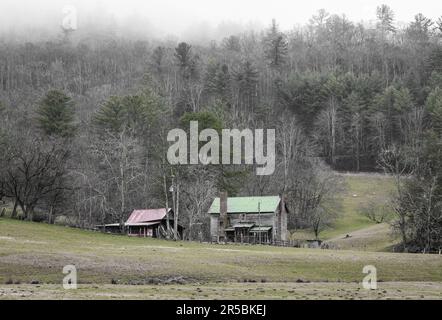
pixel 147 215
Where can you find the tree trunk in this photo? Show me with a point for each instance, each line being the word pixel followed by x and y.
pixel 190 229
pixel 174 210
pixel 175 223
pixel 14 210
pixel 29 213
pixel 50 220
pixel 167 207
pixel 24 210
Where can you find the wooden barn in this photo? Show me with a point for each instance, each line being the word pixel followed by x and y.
pixel 146 223
pixel 248 219
pixel 151 223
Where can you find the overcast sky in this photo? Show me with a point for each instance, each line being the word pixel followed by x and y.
pixel 177 16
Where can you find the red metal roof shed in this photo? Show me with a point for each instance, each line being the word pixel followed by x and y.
pixel 147 215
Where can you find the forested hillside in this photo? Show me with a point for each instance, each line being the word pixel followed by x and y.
pixel 84 120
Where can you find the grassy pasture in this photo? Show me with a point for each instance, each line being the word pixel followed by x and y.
pixel 36 253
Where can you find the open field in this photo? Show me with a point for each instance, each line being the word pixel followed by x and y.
pixel 149 268
pixel 360 189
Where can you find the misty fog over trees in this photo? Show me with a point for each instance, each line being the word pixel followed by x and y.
pixel 84 120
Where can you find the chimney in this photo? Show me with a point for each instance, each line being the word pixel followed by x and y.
pixel 282 219
pixel 281 202
pixel 222 214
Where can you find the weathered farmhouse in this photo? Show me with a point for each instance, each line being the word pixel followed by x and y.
pixel 146 223
pixel 248 219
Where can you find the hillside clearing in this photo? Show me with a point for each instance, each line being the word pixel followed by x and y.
pixel 377 237
pixel 360 190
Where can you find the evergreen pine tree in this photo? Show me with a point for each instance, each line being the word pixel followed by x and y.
pixel 56 114
pixel 275 46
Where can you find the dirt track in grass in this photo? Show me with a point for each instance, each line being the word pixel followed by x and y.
pixel 298 291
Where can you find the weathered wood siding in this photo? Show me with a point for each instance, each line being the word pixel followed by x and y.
pixel 214 224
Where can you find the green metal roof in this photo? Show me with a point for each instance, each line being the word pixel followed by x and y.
pixel 247 204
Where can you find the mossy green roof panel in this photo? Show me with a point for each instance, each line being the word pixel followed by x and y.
pixel 247 204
